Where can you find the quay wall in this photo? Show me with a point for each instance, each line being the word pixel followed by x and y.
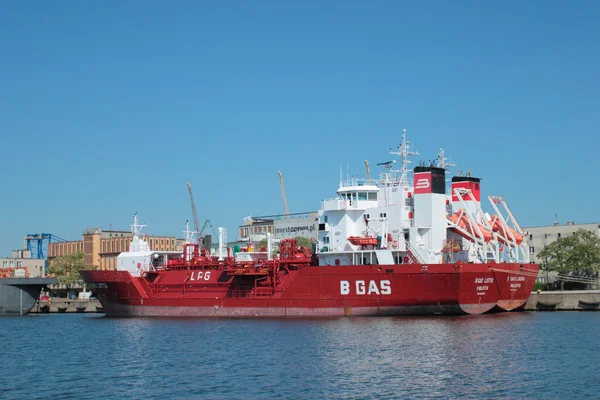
pixel 564 300
pixel 70 306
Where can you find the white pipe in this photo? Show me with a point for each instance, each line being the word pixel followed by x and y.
pixel 268 245
pixel 220 243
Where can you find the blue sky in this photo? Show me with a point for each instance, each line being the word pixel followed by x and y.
pixel 108 108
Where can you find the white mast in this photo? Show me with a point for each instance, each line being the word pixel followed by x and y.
pixel 404 152
pixel 137 244
pixel 441 162
pixel 135 227
pixel 187 234
pixel 441 159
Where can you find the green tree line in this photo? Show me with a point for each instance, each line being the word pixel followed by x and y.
pixel 574 255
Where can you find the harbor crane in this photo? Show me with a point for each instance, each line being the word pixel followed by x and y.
pixel 285 203
pixel 194 214
pixel 37 243
pixel 208 224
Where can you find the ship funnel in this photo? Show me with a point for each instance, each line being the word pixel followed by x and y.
pixel 467 182
pixel 429 211
pixel 470 201
pixel 429 180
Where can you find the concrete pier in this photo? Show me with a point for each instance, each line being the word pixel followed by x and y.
pixel 564 300
pixel 19 295
pixel 56 305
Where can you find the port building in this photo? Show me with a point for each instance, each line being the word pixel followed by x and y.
pixel 101 247
pixel 21 259
pixel 541 236
pixel 254 229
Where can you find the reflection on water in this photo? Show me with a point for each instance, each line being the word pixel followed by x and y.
pixel 511 355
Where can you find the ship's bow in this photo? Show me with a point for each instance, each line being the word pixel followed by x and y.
pixel 112 288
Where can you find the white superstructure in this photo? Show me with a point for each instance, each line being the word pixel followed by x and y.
pixel 141 258
pixel 395 219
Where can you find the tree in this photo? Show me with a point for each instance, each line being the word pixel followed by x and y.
pixel 303 241
pixel 66 268
pixel 578 254
pixel 263 243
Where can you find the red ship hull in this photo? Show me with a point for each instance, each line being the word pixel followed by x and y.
pixel 313 291
pixel 515 283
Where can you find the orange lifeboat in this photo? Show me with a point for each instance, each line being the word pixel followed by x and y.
pixel 462 221
pixel 497 226
pixel 363 241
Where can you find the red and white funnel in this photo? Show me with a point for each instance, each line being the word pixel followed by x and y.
pixel 472 200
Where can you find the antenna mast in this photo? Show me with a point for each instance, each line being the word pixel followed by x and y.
pixel 441 162
pixel 135 227
pixel 441 159
pixel 404 152
pixel 187 234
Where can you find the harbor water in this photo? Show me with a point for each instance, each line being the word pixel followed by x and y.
pixel 510 355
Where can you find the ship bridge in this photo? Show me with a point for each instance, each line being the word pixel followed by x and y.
pixel 352 194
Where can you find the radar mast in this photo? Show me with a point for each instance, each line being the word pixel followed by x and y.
pixel 404 152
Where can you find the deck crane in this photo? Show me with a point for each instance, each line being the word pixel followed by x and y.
pixel 208 224
pixel 194 214
pixel 368 171
pixel 285 204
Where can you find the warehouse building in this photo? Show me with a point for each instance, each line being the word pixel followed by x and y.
pixel 255 229
pixel 101 247
pixel 21 259
pixel 541 236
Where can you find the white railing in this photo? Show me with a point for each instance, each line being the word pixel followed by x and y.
pixel 333 204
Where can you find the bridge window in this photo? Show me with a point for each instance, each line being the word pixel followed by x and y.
pixel 362 196
pixel 372 196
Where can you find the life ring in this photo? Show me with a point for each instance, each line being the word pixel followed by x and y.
pixel 395 244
